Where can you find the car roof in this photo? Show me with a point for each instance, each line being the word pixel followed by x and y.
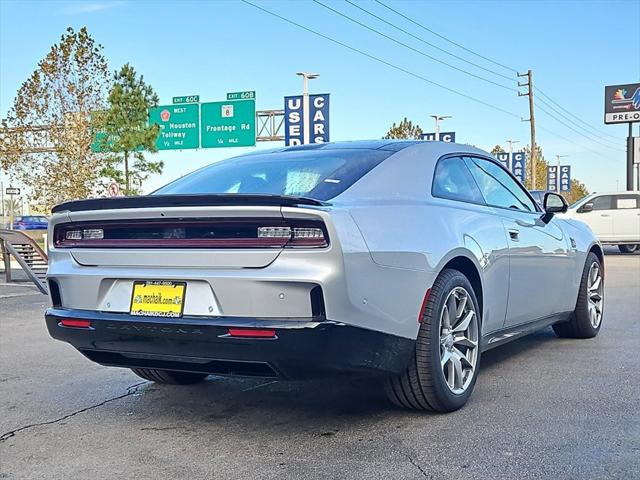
pixel 438 148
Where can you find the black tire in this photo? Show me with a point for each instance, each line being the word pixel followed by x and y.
pixel 579 324
pixel 422 386
pixel 169 377
pixel 628 248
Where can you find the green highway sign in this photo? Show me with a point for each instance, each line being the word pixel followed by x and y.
pixel 229 124
pixel 187 99
pixel 179 126
pixel 241 96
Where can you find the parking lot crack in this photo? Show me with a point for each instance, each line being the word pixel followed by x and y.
pixel 417 465
pixel 133 389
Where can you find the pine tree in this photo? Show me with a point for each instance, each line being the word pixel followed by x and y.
pixel 404 130
pixel 126 133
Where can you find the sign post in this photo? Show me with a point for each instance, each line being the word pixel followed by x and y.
pixel 622 105
pixel 11 192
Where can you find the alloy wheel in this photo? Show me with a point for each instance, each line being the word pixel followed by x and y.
pixel 595 295
pixel 458 340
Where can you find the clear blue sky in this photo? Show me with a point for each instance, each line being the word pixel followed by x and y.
pixel 210 48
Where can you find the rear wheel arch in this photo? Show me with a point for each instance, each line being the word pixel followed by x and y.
pixel 468 268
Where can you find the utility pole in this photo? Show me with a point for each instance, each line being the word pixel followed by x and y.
pixel 558 157
pixel 511 142
pixel 439 118
pixel 532 122
pixel 305 104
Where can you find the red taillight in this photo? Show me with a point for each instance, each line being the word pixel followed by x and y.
pixel 75 323
pixel 251 333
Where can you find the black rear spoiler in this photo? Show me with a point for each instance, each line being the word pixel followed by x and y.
pixel 209 200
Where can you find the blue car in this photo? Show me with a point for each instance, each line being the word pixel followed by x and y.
pixel 31 222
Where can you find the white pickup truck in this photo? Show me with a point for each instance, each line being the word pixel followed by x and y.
pixel 614 217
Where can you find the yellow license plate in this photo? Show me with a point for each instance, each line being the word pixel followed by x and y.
pixel 158 298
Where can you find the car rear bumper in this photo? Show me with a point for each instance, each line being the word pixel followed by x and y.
pixel 301 348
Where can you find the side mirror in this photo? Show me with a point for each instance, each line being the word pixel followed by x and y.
pixel 553 203
pixel 587 207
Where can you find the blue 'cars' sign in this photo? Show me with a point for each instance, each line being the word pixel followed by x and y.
pixel 518 165
pixel 565 178
pixel 317 119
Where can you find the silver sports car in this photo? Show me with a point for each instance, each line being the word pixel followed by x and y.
pixel 401 259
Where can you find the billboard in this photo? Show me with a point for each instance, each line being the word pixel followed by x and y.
pixel 296 120
pixel 622 103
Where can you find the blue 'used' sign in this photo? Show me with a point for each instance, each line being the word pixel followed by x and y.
pixel 293 120
pixel 503 158
pixel 447 137
pixel 518 165
pixel 565 178
pixel 552 178
pixel 317 119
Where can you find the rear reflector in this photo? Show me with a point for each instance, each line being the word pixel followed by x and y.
pixel 252 333
pixel 75 323
pixel 424 305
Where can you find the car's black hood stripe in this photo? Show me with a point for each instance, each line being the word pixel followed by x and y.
pixel 208 200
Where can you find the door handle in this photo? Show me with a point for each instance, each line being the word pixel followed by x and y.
pixel 514 234
pixel 605 215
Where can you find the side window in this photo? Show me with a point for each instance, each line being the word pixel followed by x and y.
pixel 602 203
pixel 498 188
pixel 627 201
pixel 452 180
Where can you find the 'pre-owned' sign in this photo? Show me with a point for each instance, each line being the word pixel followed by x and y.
pixel 179 126
pixel 317 118
pixel 622 103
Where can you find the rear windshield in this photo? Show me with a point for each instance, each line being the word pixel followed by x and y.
pixel 316 174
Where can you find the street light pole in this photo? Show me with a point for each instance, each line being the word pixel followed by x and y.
pixel 511 142
pixel 558 157
pixel 306 76
pixel 437 119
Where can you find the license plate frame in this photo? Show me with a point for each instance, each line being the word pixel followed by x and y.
pixel 151 298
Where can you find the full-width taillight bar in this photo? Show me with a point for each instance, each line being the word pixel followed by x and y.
pixel 193 233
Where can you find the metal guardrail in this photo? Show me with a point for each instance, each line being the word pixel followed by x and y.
pixel 28 254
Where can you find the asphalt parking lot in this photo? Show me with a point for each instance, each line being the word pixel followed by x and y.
pixel 542 408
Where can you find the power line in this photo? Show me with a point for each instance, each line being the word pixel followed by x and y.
pixel 595 133
pixel 573 115
pixel 445 38
pixel 576 130
pixel 384 62
pixel 568 119
pixel 410 73
pixel 420 39
pixel 357 22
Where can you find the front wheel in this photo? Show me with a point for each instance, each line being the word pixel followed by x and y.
pixel 628 248
pixel 168 376
pixel 443 368
pixel 586 319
